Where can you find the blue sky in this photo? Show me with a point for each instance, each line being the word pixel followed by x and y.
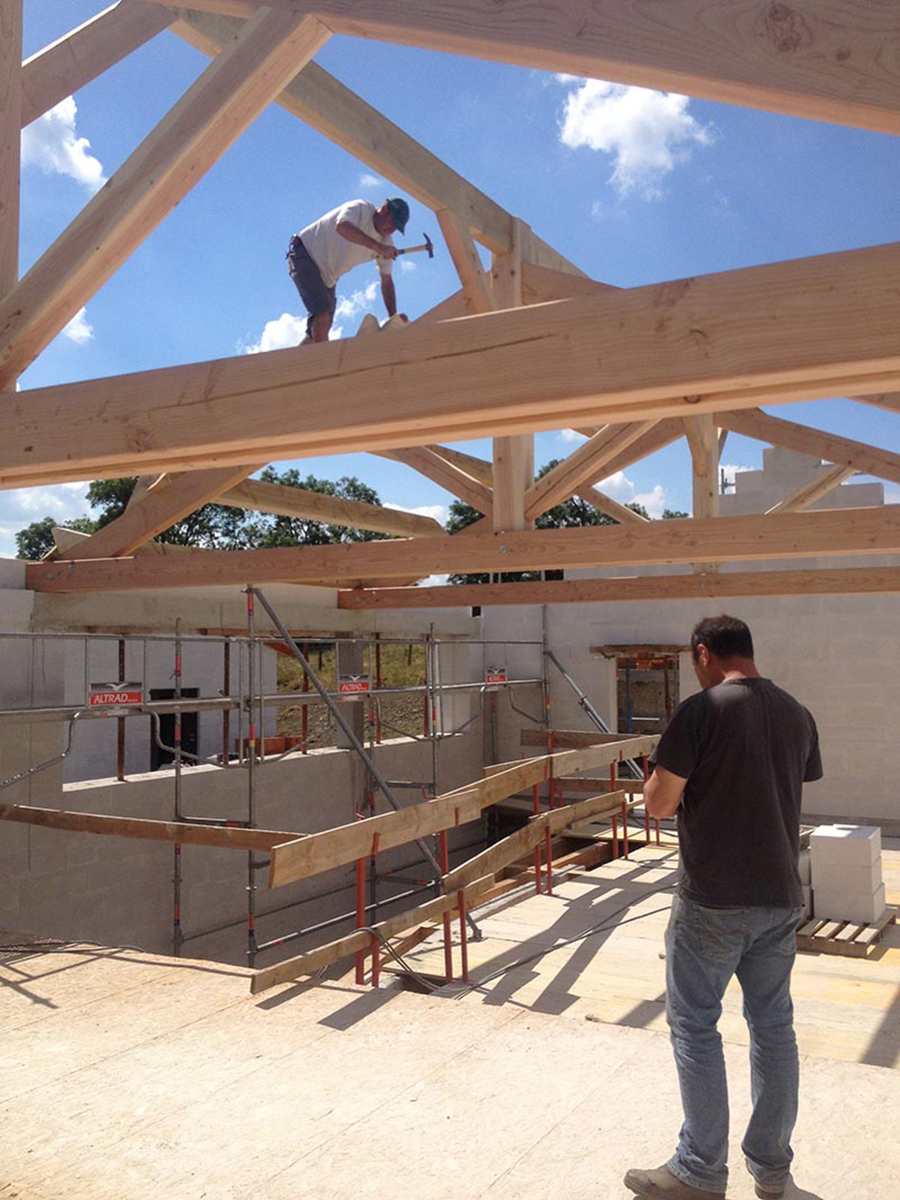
pixel 633 186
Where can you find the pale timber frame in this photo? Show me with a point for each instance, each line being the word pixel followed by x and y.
pixel 527 345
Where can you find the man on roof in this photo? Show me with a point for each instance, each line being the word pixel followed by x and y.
pixel 355 233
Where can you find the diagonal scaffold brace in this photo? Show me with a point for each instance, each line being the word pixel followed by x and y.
pixel 359 748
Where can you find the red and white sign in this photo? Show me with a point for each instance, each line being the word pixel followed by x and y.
pixel 495 675
pixel 353 685
pixel 116 695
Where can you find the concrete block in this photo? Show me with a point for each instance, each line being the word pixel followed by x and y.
pixel 805 867
pixel 835 904
pixel 845 845
pixel 859 879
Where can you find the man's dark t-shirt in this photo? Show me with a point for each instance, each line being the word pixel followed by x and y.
pixel 745 748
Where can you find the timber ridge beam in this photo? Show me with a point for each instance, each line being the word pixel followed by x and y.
pixel 831 323
pixel 722 539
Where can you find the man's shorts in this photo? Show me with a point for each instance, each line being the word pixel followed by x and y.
pixel 309 283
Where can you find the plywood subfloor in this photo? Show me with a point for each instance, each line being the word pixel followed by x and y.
pixel 845 1008
pixel 126 1077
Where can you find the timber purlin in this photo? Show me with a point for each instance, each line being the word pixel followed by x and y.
pixel 849 938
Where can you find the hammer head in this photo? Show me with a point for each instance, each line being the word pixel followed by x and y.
pixel 429 245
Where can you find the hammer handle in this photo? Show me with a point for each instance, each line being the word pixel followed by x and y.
pixel 411 249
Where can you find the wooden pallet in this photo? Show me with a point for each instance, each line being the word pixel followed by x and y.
pixel 843 937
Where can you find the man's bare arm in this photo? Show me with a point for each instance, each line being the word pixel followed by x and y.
pixel 663 792
pixel 349 231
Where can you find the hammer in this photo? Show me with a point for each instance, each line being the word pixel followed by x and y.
pixel 428 245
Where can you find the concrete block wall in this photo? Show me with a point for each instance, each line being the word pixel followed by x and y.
pixel 119 891
pixel 839 655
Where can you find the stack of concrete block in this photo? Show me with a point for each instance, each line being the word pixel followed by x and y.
pixel 806 882
pixel 847 884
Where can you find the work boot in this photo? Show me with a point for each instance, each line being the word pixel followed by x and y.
pixel 661 1184
pixel 769 1191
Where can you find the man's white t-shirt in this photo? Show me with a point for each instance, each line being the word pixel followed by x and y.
pixel 333 254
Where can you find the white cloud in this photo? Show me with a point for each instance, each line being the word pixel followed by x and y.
pixel 647 132
pixel 439 512
pixel 621 488
pixel 407 264
pixel 359 301
pixel 571 435
pixel 79 330
pixel 285 331
pixel 51 143
pixel 19 507
pixel 367 180
pixel 433 581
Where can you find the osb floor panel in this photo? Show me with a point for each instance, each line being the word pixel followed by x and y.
pixel 126 1076
pixel 846 1008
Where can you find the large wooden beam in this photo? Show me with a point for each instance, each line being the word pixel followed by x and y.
pixel 86 52
pixel 307 856
pixel 192 137
pixel 464 254
pixel 703 439
pixel 587 462
pixel 324 104
pixel 10 124
pixel 823 582
pixel 166 501
pixel 663 433
pixel 829 60
pixel 430 463
pixel 671 349
pixel 807 495
pixel 869 460
pixel 284 501
pixel 726 539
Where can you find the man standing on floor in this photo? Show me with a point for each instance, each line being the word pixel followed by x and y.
pixel 732 763
pixel 354 233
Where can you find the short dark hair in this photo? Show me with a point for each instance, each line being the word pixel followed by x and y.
pixel 724 636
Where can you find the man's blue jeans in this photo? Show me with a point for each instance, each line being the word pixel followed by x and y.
pixel 704 948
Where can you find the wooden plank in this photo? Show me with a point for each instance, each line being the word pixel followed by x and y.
pixel 67 65
pixel 519 843
pixel 826 62
pixel 830 321
pixel 445 474
pixel 568 739
pixel 166 501
pixel 156 831
pixel 587 462
pixel 10 125
pixel 807 495
pixel 727 539
pixel 333 510
pixel 190 139
pixel 332 952
pixel 833 581
pixel 299 859
pixel 842 451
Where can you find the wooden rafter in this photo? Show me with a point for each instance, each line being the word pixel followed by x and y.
pixel 803 497
pixel 464 253
pixel 888 400
pixel 428 462
pixel 827 60
pixel 653 588
pixel 611 508
pixel 868 460
pixel 10 124
pixel 326 105
pixel 73 61
pixel 333 510
pixel 228 96
pixel 587 462
pixel 832 324
pixel 725 539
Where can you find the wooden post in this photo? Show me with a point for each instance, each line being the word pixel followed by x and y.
pixel 10 125
pixel 513 457
pixel 703 438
